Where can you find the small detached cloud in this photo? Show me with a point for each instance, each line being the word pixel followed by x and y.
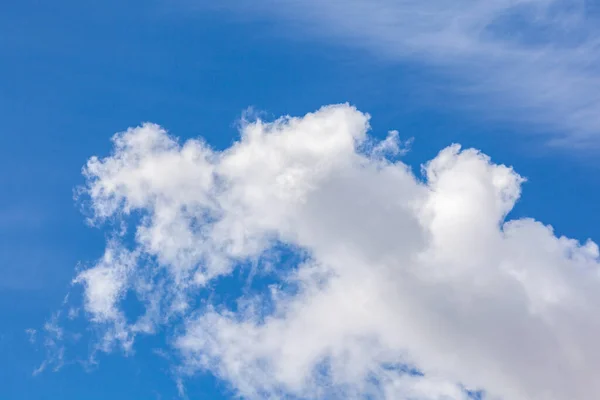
pixel 410 287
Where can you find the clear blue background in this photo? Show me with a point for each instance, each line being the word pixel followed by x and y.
pixel 73 73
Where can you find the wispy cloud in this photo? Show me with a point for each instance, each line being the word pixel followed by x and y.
pixel 528 60
pixel 52 335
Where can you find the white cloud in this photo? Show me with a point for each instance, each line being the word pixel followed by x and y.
pixel 53 336
pixel 530 60
pixel 401 271
pixel 105 285
pixel 31 333
pixel 106 282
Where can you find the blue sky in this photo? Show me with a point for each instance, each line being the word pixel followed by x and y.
pixel 76 73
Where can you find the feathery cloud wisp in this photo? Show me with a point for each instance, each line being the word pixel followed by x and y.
pixel 530 60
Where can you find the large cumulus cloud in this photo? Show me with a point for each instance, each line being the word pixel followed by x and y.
pixel 410 286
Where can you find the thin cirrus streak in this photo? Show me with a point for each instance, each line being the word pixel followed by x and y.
pixel 534 61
